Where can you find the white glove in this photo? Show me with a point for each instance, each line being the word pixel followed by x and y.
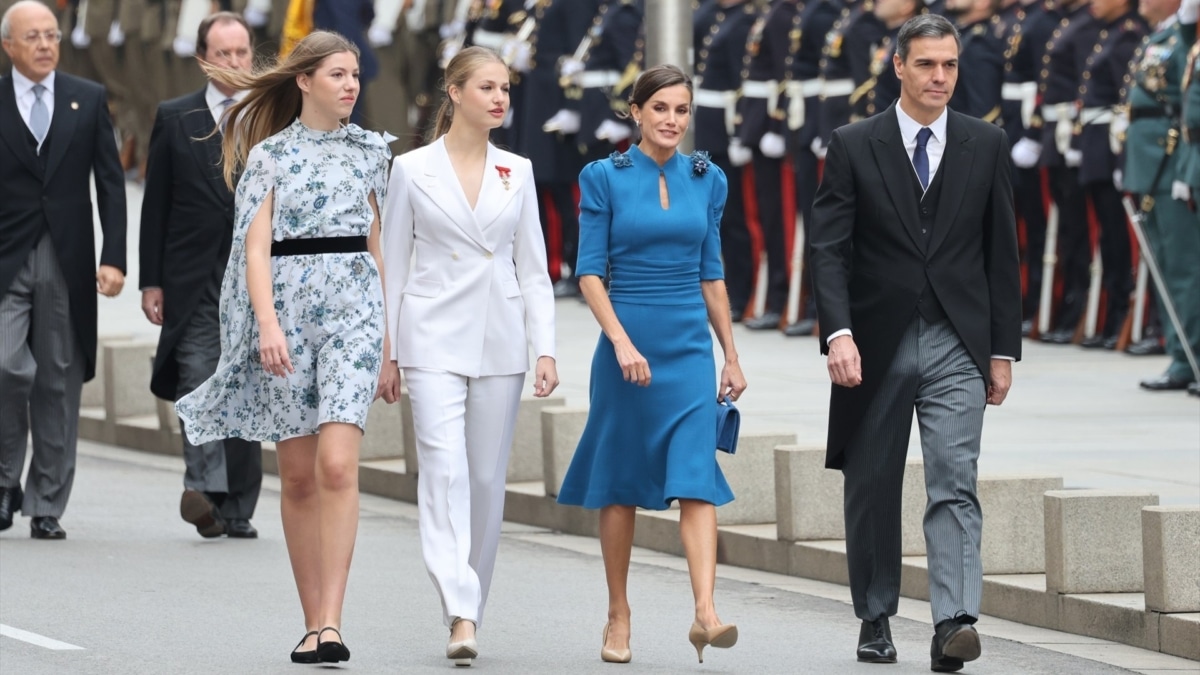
pixel 569 67
pixel 818 147
pixel 449 50
pixel 256 17
pixel 1064 129
pixel 1180 191
pixel 79 38
pixel 1189 11
pixel 116 36
pixel 184 47
pixel 1073 157
pixel 772 145
pixel 378 37
pixel 1116 132
pixel 1118 180
pixel 452 29
pixel 612 131
pixel 1025 153
pixel 517 54
pixel 563 122
pixel 739 155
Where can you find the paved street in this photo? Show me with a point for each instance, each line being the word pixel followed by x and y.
pixel 135 590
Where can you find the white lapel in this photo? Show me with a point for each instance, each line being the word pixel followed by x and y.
pixel 441 184
pixel 496 191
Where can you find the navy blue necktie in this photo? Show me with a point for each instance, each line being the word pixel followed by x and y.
pixel 920 158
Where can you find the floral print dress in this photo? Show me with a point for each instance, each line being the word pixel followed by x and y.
pixel 330 306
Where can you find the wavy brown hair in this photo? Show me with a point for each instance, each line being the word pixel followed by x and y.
pixel 458 71
pixel 274 99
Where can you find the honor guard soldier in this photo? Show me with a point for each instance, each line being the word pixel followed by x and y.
pixel 846 67
pixel 1190 177
pixel 720 29
pixel 548 125
pixel 1030 25
pixel 885 86
pixel 801 87
pixel 1100 93
pixel 1058 85
pixel 1152 165
pixel 981 59
pixel 762 123
pixel 489 25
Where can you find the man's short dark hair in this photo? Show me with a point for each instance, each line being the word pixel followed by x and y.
pixel 924 26
pixel 212 20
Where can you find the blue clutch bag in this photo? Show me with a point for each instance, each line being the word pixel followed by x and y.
pixel 729 421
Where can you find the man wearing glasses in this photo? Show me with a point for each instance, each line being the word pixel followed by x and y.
pixel 55 133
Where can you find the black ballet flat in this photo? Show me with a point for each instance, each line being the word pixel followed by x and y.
pixel 309 656
pixel 331 652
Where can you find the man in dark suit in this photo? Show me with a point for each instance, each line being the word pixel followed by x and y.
pixel 48 273
pixel 914 259
pixel 187 229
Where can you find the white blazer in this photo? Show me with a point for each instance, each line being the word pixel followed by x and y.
pixel 467 291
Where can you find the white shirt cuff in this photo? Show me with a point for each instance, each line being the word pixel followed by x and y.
pixel 1187 14
pixel 1003 358
pixel 838 334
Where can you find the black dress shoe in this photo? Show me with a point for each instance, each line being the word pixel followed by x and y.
pixel 803 327
pixel 197 509
pixel 736 314
pixel 309 656
pixel 46 527
pixel 240 528
pixel 1164 382
pixel 1027 328
pixel 1062 336
pixel 331 652
pixel 10 503
pixel 566 288
pixel 875 642
pixel 1110 342
pixel 954 643
pixel 768 321
pixel 1150 346
pixel 1194 389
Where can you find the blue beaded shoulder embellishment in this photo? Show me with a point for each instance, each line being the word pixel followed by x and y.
pixel 621 160
pixel 700 163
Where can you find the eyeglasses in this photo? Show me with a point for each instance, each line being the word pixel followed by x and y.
pixel 34 37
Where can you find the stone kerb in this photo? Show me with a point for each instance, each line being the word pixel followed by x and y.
pixel 1171 558
pixel 1013 521
pixel 1093 540
pixel 562 427
pixel 808 497
pixel 384 437
pixel 751 476
pixel 525 464
pixel 127 379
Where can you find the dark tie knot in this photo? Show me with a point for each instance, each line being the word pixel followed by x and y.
pixel 923 136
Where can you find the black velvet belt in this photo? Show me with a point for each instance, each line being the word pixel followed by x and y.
pixel 319 245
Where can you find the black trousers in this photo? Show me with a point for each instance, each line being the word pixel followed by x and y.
pixel 563 197
pixel 768 194
pixel 1029 196
pixel 735 238
pixel 1074 254
pixel 805 169
pixel 1116 253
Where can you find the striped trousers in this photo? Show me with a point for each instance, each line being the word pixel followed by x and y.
pixel 933 374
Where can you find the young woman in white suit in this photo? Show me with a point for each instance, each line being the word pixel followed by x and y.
pixel 468 294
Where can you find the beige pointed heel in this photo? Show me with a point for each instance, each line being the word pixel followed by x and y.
pixel 721 637
pixel 613 655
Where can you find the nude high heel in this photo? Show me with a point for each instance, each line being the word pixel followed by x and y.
pixel 463 652
pixel 613 655
pixel 721 637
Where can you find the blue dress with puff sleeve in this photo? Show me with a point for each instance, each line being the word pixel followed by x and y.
pixel 647 446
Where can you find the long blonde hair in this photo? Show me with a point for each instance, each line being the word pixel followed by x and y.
pixel 458 71
pixel 274 99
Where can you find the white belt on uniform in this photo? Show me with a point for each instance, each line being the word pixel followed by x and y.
pixel 487 38
pixel 1062 115
pixel 1026 93
pixel 759 89
pixel 594 79
pixel 797 91
pixel 835 88
pixel 726 100
pixel 1058 111
pixel 1097 115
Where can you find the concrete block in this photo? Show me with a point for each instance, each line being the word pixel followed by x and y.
pixel 167 419
pixel 1093 540
pixel 127 379
pixel 1171 558
pixel 1013 515
pixel 384 435
pixel 754 547
pixel 751 476
pixel 1120 617
pixel 525 462
pixel 562 428
pixel 808 497
pixel 912 509
pixel 1020 597
pixel 1179 635
pixel 93 390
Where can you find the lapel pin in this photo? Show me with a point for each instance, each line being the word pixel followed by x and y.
pixel 74 105
pixel 504 172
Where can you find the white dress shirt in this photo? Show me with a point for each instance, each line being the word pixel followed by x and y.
pixel 23 89
pixel 213 97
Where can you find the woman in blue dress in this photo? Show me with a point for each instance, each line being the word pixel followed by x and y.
pixel 302 312
pixel 650 219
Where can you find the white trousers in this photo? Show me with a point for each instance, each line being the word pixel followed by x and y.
pixel 464 428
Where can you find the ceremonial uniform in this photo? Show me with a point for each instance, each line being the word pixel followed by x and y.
pixel 720 39
pixel 490 25
pixel 605 78
pixel 1151 164
pixel 981 68
pixel 885 86
pixel 846 66
pixel 1104 75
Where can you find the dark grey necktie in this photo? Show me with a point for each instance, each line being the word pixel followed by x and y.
pixel 920 157
pixel 39 115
